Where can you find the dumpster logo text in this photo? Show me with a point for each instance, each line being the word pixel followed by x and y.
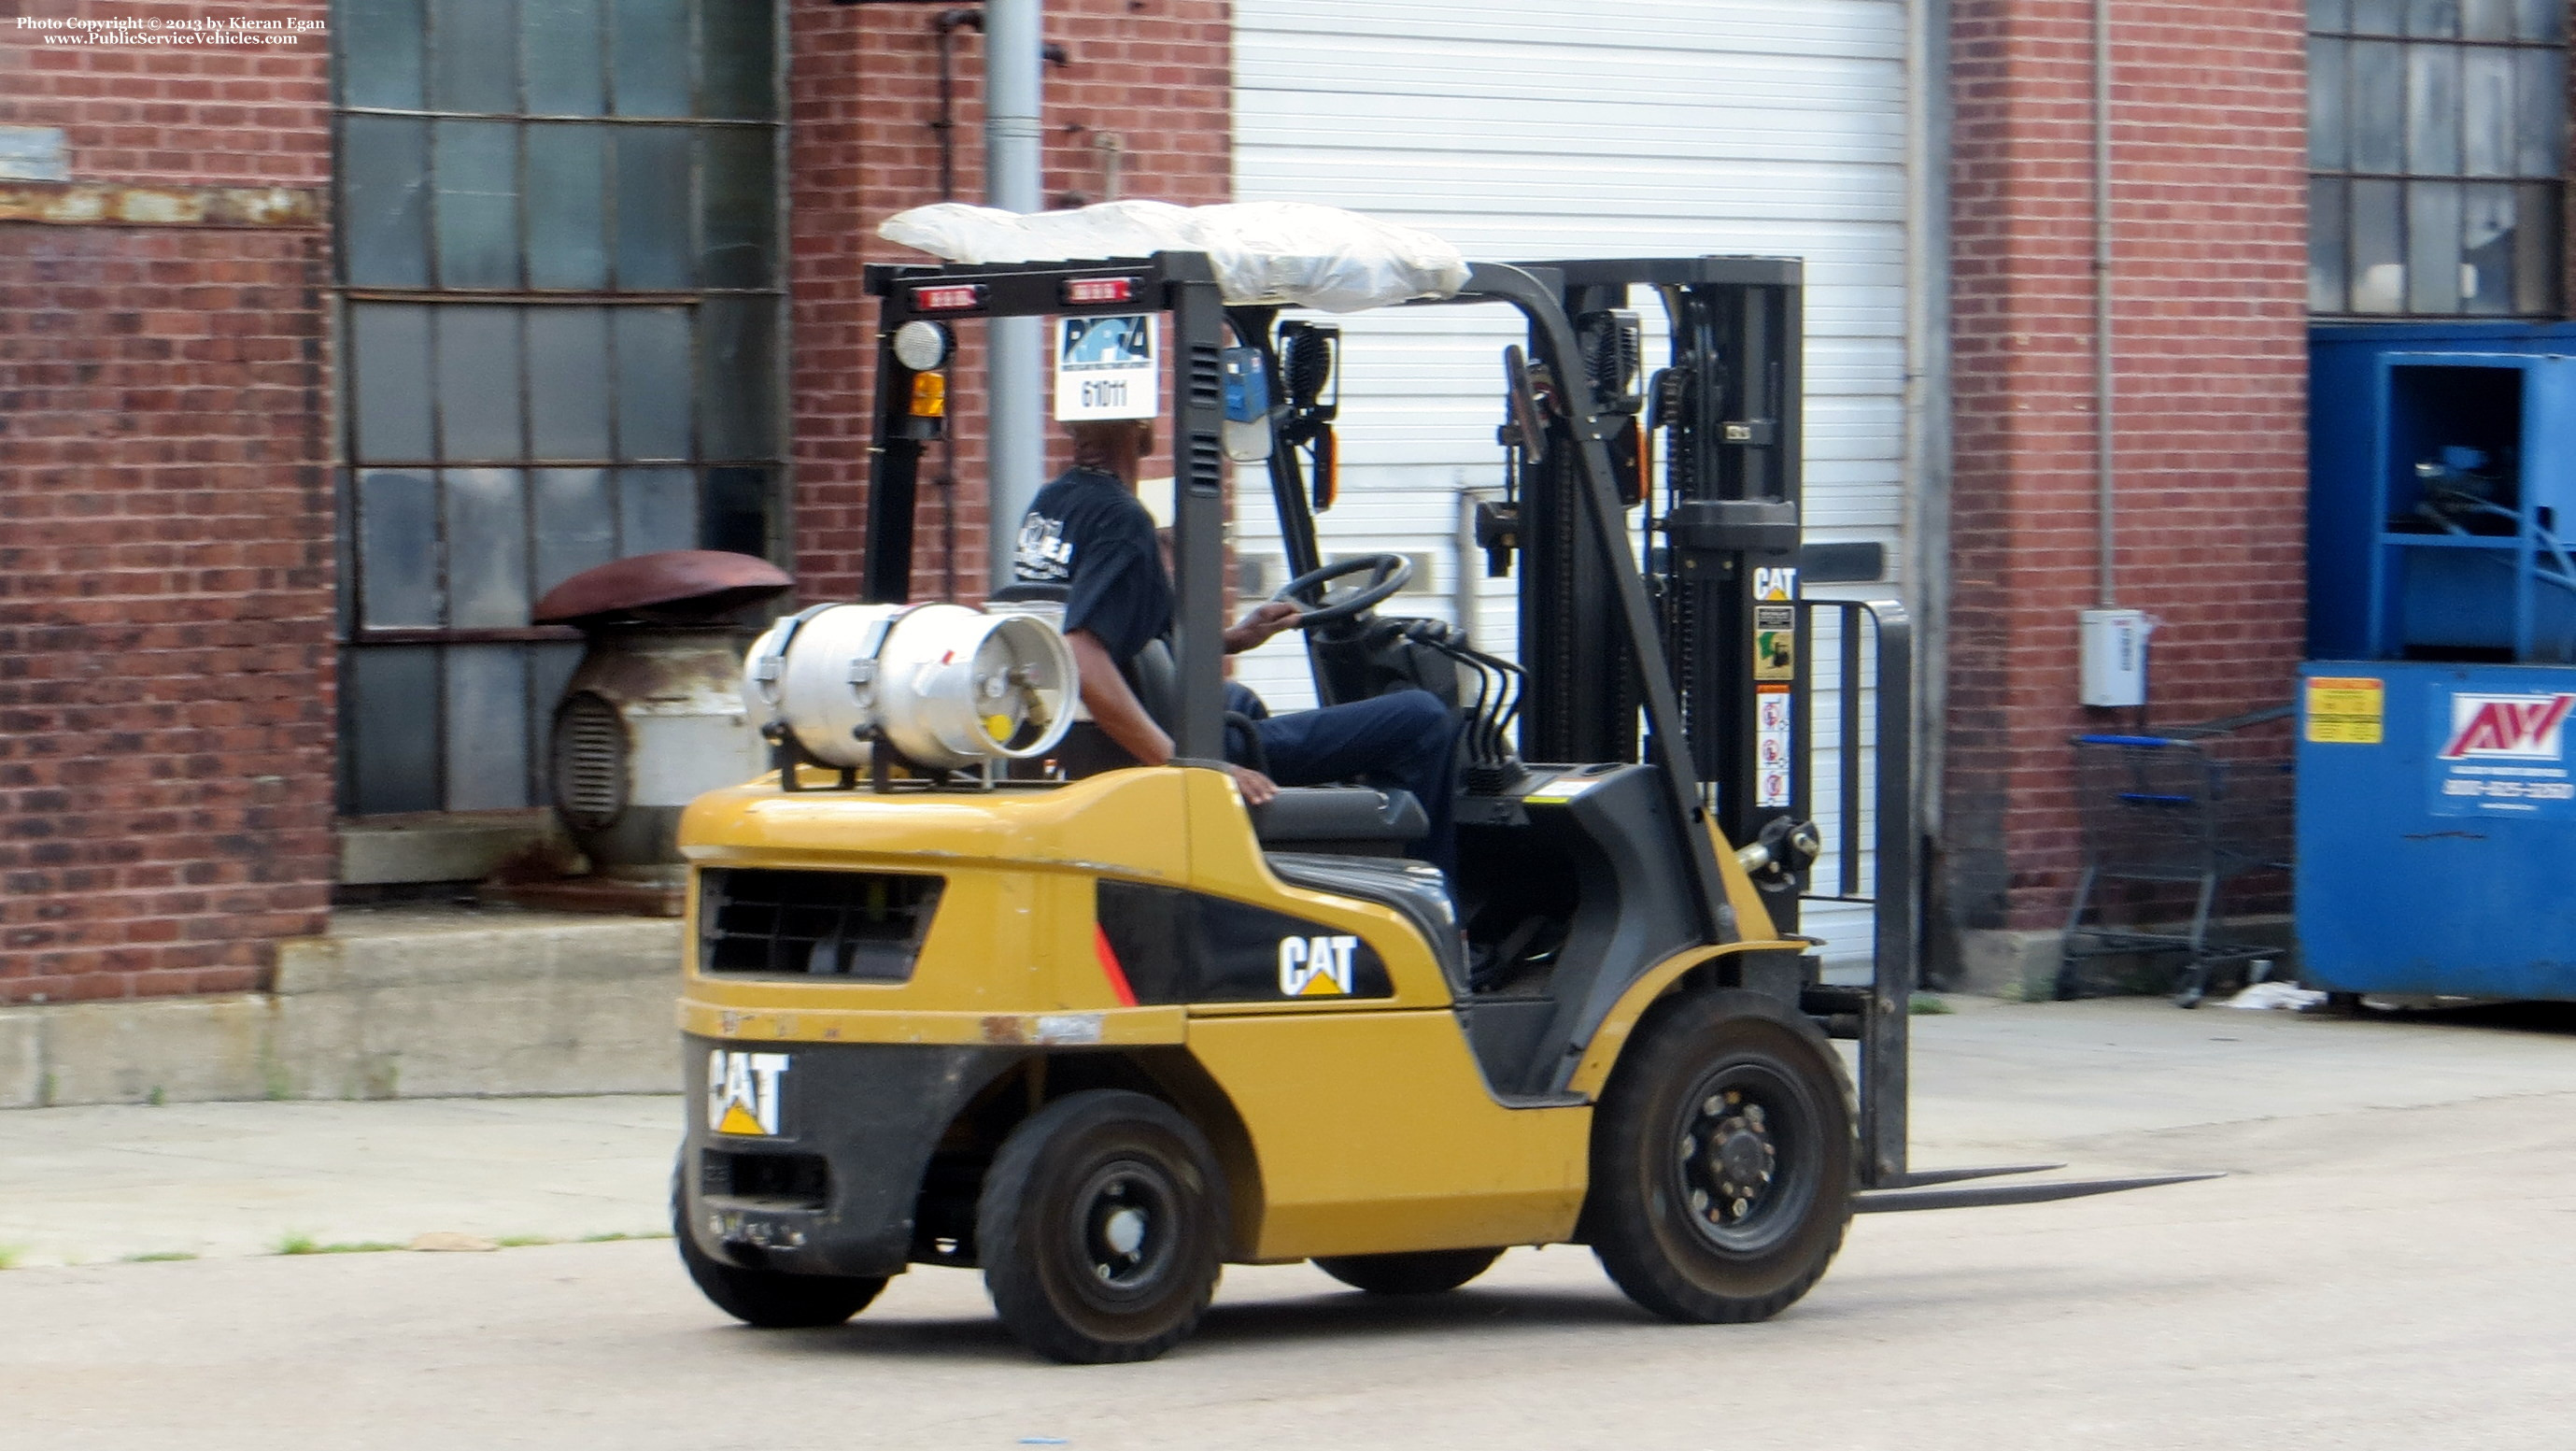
pixel 2508 727
pixel 1316 967
pixel 742 1092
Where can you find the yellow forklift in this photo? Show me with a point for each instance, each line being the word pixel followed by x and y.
pixel 962 992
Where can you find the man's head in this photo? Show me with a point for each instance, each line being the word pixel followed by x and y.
pixel 1114 446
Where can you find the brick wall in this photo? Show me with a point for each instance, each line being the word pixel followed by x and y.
pixel 1156 74
pixel 165 524
pixel 2209 329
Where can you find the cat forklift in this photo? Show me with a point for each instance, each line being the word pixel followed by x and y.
pixel 954 997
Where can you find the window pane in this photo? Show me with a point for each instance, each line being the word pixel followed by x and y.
pixel 657 509
pixel 487 727
pixel 487 549
pixel 474 56
pixel 2432 246
pixel 384 200
pixel 562 42
pixel 649 46
pixel 2486 19
pixel 652 355
pixel 567 382
pixel 379 59
pixel 2378 107
pixel 2377 17
pixel 735 513
pixel 2326 140
pixel 389 358
pixel 2378 268
pixel 739 60
pixel 2433 17
pixel 567 206
pixel 2540 101
pixel 397 549
pixel 2536 260
pixel 652 208
pixel 478 384
pixel 2433 110
pixel 2486 250
pixel 2326 286
pixel 737 378
pixel 2486 110
pixel 477 166
pixel 2540 19
pixel 738 233
pixel 2328 14
pixel 575 524
pixel 393 728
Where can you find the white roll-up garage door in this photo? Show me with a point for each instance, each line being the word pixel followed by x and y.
pixel 1529 129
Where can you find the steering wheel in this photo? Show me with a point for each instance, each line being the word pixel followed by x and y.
pixel 1386 573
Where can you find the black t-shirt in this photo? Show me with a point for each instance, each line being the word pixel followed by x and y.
pixel 1086 532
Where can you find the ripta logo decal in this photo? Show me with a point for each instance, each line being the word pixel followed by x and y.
pixel 742 1092
pixel 1316 967
pixel 2508 727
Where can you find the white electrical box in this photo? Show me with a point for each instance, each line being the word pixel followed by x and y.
pixel 2112 647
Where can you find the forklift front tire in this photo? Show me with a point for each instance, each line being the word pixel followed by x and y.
pixel 1722 1156
pixel 765 1298
pixel 1102 1228
pixel 1427 1272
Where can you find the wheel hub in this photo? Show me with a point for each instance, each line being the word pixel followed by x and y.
pixel 1729 1159
pixel 1120 1228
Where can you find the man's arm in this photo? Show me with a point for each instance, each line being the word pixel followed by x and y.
pixel 1119 714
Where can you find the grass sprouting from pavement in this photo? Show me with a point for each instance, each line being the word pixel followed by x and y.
pixel 615 1235
pixel 1928 1005
pixel 160 1256
pixel 305 1244
pixel 9 1254
pixel 523 1241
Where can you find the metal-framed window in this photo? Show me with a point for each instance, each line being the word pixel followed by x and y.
pixel 562 318
pixel 2436 150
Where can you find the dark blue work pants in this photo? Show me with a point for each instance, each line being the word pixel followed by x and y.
pixel 1403 741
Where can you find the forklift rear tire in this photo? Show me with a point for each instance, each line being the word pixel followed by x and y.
pixel 766 1298
pixel 1426 1272
pixel 1101 1226
pixel 1722 1156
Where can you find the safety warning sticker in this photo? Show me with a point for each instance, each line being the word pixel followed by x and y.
pixel 2346 710
pixel 1775 642
pixel 1772 714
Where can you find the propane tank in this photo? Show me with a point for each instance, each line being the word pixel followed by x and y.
pixel 945 685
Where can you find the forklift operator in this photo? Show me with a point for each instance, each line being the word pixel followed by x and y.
pixel 1087 532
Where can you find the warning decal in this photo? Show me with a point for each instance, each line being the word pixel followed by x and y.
pixel 1773 714
pixel 2348 711
pixel 1775 642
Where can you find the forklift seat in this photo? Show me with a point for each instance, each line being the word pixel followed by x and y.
pixel 1415 889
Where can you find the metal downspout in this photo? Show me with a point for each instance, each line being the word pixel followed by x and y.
pixel 2104 507
pixel 1015 425
pixel 1927 378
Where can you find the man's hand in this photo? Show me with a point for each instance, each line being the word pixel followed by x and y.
pixel 1257 789
pixel 1260 625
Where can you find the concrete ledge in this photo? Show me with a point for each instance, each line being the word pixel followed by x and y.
pixel 2021 965
pixel 440 846
pixel 415 1002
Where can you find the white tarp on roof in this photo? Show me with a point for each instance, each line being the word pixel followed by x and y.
pixel 1295 253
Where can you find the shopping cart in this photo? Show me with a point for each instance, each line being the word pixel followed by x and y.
pixel 2195 805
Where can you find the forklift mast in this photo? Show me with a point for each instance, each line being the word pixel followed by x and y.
pixel 1720 541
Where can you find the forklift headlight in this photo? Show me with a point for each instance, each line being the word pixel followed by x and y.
pixel 921 346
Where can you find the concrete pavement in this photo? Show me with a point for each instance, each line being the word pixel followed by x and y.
pixel 2096 1082
pixel 2388 1266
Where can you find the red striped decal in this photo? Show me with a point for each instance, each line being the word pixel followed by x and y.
pixel 1117 975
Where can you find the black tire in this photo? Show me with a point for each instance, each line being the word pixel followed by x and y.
pixel 1425 1272
pixel 1722 1156
pixel 1102 1228
pixel 766 1298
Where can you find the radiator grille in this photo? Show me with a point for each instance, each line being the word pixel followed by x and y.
pixel 864 925
pixel 590 761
